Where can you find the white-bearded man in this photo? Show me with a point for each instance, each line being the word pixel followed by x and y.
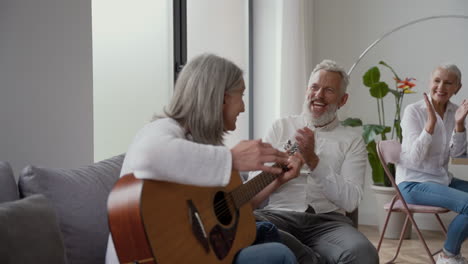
pixel 310 209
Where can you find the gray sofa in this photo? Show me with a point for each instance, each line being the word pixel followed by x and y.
pixel 56 215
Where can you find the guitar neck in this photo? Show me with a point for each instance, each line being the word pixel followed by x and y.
pixel 245 192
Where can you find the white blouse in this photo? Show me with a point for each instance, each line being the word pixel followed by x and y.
pixel 425 157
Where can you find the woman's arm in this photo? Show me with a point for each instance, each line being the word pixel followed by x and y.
pixel 417 128
pixel 161 151
pixel 458 142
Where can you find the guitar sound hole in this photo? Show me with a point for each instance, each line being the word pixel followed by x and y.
pixel 222 210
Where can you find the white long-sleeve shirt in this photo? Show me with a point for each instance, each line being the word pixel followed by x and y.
pixel 162 151
pixel 424 157
pixel 336 184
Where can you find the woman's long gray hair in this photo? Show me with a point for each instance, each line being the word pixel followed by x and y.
pixel 197 103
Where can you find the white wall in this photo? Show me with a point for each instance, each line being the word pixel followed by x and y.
pixel 221 27
pixel 46 68
pixel 343 29
pixel 46 97
pixel 133 69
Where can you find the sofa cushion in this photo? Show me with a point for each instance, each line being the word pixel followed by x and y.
pixel 80 199
pixel 29 232
pixel 8 188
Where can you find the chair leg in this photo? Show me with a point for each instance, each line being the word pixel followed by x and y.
pixel 384 229
pixel 441 224
pixel 402 234
pixel 437 252
pixel 421 238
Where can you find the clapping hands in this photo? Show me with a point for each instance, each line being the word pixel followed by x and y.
pixel 460 116
pixel 431 116
pixel 306 141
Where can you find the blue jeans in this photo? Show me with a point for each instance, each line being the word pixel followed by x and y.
pixel 266 253
pixel 266 248
pixel 453 197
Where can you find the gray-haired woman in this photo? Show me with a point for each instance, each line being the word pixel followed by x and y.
pixel 186 145
pixel 433 131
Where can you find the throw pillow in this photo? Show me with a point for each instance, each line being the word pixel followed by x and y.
pixel 8 188
pixel 79 197
pixel 29 232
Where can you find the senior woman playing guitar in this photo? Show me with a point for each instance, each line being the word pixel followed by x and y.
pixel 182 162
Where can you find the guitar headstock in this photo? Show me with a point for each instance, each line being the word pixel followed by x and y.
pixel 290 147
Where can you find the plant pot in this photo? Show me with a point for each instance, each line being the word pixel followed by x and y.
pixel 384 195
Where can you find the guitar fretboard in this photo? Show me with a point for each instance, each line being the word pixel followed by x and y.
pixel 247 191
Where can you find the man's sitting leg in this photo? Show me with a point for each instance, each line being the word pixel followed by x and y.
pixel 284 222
pixel 330 235
pixel 339 242
pixel 304 254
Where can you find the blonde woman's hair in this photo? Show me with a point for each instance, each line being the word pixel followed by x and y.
pixel 197 103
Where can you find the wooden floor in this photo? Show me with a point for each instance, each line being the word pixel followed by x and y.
pixel 412 250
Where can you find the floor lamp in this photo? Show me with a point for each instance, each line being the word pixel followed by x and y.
pixel 398 28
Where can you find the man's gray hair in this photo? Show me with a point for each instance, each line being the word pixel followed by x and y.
pixel 197 103
pixel 450 67
pixel 329 65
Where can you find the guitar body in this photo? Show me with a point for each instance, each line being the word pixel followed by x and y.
pixel 161 222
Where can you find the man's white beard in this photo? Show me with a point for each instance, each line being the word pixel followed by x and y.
pixel 322 120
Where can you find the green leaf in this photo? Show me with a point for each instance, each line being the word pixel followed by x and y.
pixel 352 122
pixel 384 64
pixel 391 168
pixel 388 66
pixel 379 90
pixel 371 131
pixel 378 174
pixel 397 126
pixel 396 93
pixel 387 130
pixel 371 76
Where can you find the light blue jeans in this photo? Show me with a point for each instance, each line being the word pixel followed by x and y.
pixel 453 197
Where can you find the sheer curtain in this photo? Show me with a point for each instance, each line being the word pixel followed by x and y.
pixel 132 69
pixel 295 55
pixel 283 55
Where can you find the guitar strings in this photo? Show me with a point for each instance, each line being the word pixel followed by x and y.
pixel 242 195
pixel 259 182
pixel 291 148
pixel 230 197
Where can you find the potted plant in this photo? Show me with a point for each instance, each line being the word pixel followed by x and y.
pixel 382 186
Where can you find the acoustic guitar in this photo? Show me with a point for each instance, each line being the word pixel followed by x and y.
pixel 154 221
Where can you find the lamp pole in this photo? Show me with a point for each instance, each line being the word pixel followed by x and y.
pixel 398 28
